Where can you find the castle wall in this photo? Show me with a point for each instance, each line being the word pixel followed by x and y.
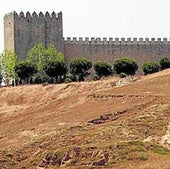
pixel 31 29
pixel 23 31
pixel 9 31
pixel 96 49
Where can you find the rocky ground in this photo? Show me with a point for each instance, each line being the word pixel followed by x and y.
pixel 112 123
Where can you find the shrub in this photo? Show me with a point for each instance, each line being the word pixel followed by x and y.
pixel 150 67
pixel 79 68
pixel 25 70
pixel 68 78
pixel 125 65
pixel 102 69
pixel 122 75
pixel 56 69
pixel 95 77
pixel 164 63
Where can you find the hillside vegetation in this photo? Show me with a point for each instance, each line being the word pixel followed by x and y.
pixel 87 124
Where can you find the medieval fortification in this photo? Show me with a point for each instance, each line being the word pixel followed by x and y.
pixel 23 31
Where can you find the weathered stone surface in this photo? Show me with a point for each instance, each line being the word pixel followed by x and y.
pixel 23 31
pixel 141 50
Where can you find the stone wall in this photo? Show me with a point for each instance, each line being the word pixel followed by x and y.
pixel 9 31
pixel 30 29
pixel 23 31
pixel 95 49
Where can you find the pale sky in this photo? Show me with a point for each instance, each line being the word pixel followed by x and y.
pixel 100 18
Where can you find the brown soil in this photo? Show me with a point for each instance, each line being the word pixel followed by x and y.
pixel 131 123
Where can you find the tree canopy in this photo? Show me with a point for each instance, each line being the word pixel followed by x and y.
pixel 102 69
pixel 8 62
pixel 40 55
pixel 125 65
pixel 164 63
pixel 150 67
pixel 79 68
pixel 55 68
pixel 25 70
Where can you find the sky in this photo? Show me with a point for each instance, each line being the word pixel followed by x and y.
pixel 100 18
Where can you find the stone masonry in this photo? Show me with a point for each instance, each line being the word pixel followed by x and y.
pixel 23 31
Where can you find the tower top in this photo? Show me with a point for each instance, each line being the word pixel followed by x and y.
pixel 34 14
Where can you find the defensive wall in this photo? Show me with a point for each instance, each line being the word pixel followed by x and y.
pixel 95 49
pixel 23 31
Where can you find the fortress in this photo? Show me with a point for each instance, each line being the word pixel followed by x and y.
pixel 23 31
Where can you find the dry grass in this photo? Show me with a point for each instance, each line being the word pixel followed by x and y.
pixel 38 120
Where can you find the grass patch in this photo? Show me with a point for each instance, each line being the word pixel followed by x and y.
pixel 155 148
pixel 138 150
pixel 130 146
pixel 137 156
pixel 132 150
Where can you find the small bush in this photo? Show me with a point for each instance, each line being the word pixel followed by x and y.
pixel 125 65
pixel 95 77
pixel 79 68
pixel 25 70
pixel 150 67
pixel 122 75
pixel 164 63
pixel 67 80
pixel 102 69
pixel 56 69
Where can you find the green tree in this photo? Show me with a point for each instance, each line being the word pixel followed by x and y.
pixel 8 62
pixel 102 69
pixel 125 65
pixel 25 70
pixel 41 55
pixel 79 68
pixel 164 63
pixel 51 53
pixel 150 67
pixel 56 69
pixel 37 55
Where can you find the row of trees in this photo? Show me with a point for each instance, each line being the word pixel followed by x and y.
pixel 152 67
pixel 47 65
pixel 30 69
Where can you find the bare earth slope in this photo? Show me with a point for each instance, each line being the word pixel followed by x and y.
pixel 75 125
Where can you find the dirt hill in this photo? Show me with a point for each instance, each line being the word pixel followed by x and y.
pixel 87 125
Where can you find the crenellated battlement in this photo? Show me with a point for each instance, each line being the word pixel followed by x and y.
pixel 29 15
pixel 24 30
pixel 130 41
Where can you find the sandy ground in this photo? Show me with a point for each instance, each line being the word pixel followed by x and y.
pixel 33 111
